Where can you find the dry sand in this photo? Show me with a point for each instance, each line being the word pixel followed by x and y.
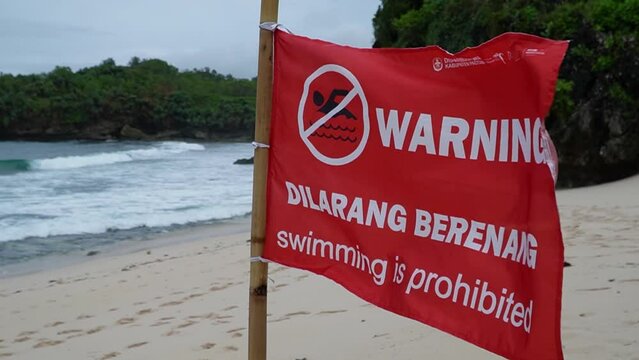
pixel 189 301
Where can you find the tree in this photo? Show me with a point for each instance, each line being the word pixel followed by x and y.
pixel 148 94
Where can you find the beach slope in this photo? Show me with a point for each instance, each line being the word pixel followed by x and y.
pixel 188 300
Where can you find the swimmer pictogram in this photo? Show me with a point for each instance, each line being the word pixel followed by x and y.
pixel 335 127
pixel 330 104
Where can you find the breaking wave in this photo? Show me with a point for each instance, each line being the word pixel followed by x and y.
pixel 72 162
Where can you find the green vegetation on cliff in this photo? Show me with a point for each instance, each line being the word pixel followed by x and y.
pixel 593 120
pixel 145 99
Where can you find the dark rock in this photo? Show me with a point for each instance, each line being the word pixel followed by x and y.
pixel 200 135
pixel 93 253
pixel 165 135
pixel 243 161
pixel 129 132
pixel 104 130
pixel 567 264
pixel 596 144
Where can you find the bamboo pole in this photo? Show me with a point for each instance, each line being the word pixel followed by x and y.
pixel 259 270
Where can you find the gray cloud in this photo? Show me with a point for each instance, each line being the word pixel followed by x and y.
pixel 36 35
pixel 21 29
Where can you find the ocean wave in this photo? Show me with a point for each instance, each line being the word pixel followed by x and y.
pixel 8 167
pixel 97 223
pixel 72 162
pixel 179 185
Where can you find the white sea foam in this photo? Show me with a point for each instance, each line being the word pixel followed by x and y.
pixel 153 152
pixel 96 222
pixel 176 188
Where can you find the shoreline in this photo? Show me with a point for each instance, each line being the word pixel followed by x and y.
pixel 188 299
pixel 159 237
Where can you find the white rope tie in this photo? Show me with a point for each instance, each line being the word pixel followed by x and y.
pixel 258 259
pixel 258 145
pixel 271 26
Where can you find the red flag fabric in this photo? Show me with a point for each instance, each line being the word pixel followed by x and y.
pixel 422 182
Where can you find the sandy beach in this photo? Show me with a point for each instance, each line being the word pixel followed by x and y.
pixel 185 296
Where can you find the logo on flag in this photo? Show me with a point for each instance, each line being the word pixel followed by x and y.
pixel 438 64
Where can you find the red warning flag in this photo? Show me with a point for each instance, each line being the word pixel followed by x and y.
pixel 422 181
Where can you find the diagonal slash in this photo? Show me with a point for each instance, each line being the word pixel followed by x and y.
pixel 316 125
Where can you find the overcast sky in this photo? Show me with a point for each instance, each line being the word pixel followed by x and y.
pixel 36 35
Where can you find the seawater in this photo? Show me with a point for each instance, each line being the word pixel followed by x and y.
pixel 68 196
